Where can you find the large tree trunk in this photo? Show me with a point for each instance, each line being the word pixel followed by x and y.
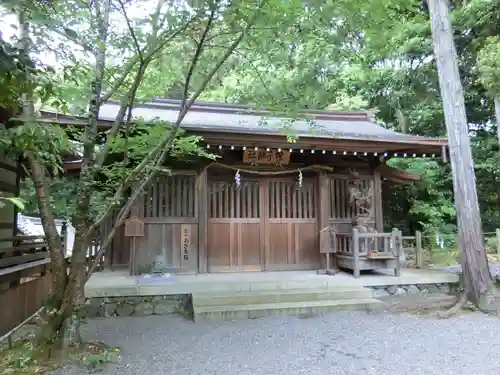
pixel 477 277
pixel 497 117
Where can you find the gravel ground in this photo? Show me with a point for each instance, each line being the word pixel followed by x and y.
pixel 494 269
pixel 339 343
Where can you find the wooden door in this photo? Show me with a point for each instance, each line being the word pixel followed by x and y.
pixel 234 226
pixel 169 212
pixel 291 223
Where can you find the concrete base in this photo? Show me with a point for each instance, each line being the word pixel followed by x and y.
pixel 120 284
pixel 252 295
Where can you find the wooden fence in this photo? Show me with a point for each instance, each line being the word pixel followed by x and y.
pixel 418 256
pixel 24 276
pixel 23 300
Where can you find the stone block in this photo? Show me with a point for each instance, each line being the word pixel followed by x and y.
pixel 144 308
pixel 92 310
pixel 108 309
pixel 166 306
pixel 157 299
pixel 133 300
pixel 392 289
pixel 444 288
pixel 432 288
pixel 413 290
pixel 380 293
pixel 424 292
pixel 400 292
pixel 124 309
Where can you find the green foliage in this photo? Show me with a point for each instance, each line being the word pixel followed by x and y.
pixel 489 65
pixel 16 201
pixel 13 68
pixel 49 142
pixel 98 358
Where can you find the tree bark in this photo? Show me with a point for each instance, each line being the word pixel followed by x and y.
pixel 53 314
pixel 477 277
pixel 497 117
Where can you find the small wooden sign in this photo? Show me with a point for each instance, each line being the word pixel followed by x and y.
pixel 271 157
pixel 185 240
pixel 134 227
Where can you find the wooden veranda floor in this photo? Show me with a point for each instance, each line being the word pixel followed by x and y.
pixel 119 283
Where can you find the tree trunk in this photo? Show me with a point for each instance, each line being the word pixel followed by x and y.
pixel 56 306
pixel 497 117
pixel 477 277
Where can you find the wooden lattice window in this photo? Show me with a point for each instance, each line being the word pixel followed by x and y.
pixel 340 208
pixel 230 201
pixel 288 200
pixel 171 196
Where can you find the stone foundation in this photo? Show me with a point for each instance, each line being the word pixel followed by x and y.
pixel 413 290
pixel 138 306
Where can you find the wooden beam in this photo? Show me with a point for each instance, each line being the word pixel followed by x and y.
pixel 10 167
pixel 202 203
pixel 324 205
pixel 396 175
pixel 25 258
pixel 7 187
pixel 377 194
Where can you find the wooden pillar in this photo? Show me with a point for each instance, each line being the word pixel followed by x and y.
pixel 355 253
pixel 377 196
pixel 129 246
pixel 264 224
pixel 19 171
pixel 202 210
pixel 323 211
pixel 418 249
pixel 396 249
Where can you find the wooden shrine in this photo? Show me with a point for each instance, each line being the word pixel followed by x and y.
pixel 265 204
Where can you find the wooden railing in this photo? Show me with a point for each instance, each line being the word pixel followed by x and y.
pixel 376 245
pixel 363 250
pixel 411 246
pixel 22 249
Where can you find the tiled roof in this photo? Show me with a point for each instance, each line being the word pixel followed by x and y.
pixel 226 118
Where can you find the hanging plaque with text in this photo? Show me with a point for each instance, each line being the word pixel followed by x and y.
pixel 271 157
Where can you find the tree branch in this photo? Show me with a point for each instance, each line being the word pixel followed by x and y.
pixel 132 92
pixel 119 82
pixel 132 32
pixel 152 52
pixel 164 147
pixel 197 54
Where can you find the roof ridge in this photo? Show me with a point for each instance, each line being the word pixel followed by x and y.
pixel 255 110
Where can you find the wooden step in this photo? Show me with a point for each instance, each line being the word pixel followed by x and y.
pixel 252 311
pixel 278 296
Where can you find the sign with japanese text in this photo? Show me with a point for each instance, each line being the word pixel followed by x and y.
pixel 271 157
pixel 185 240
